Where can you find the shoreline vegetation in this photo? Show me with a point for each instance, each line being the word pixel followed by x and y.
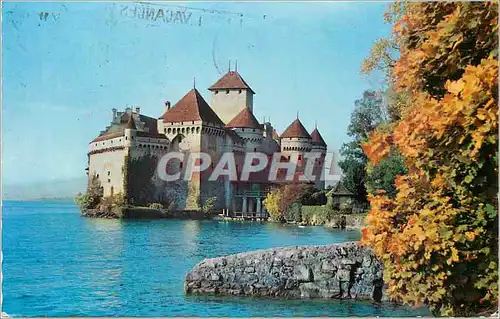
pixel 297 204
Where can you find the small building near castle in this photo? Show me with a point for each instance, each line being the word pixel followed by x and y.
pixel 124 156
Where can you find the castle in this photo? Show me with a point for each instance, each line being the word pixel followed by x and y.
pixel 124 157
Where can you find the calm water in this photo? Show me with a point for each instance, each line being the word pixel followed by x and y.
pixel 57 263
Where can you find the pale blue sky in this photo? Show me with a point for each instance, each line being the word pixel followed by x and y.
pixel 63 72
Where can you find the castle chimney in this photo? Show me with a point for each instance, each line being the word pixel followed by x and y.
pixel 138 110
pixel 167 105
pixel 114 113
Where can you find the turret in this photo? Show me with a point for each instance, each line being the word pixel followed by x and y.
pixel 296 138
pixel 130 131
pixel 247 127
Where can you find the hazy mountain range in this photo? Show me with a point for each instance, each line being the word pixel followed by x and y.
pixel 54 189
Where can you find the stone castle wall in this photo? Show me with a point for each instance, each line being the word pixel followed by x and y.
pixel 108 167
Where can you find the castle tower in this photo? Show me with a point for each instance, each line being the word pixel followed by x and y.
pixel 194 127
pixel 247 127
pixel 130 131
pixel 230 95
pixel 296 138
pixel 319 145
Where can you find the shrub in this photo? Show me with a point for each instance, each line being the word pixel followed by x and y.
pixel 209 204
pixel 293 213
pixel 279 200
pixel 92 197
pixel 271 202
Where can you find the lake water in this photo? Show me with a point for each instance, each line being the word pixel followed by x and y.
pixel 56 263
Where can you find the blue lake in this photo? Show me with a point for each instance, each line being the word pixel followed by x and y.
pixel 56 263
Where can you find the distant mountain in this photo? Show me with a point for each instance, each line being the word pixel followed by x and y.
pixel 53 190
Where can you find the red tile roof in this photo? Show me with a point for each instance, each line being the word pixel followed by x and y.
pixel 107 136
pixel 317 138
pixel 192 107
pixel 244 119
pixel 296 129
pixel 117 128
pixel 231 80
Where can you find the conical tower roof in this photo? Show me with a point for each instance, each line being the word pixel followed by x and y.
pixel 244 119
pixel 231 80
pixel 131 123
pixel 317 139
pixel 296 129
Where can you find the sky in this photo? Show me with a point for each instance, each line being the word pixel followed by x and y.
pixel 66 65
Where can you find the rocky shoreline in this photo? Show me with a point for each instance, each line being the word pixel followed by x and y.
pixel 338 271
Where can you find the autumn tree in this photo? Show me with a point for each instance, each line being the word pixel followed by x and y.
pixel 438 236
pixel 281 199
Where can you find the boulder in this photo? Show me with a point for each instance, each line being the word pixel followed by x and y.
pixel 341 271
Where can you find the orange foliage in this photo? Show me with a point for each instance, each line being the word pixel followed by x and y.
pixel 438 237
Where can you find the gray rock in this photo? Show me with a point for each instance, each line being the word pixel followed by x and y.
pixel 346 271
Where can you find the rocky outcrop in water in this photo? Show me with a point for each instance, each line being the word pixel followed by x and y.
pixel 340 271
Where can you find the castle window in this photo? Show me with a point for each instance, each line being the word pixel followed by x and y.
pixel 126 138
pixel 227 91
pixel 109 173
pixel 109 181
pixel 180 165
pixel 97 175
pixel 165 130
pixel 216 91
pixel 300 157
pixel 255 149
pixel 243 130
pixel 192 122
pixel 239 91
